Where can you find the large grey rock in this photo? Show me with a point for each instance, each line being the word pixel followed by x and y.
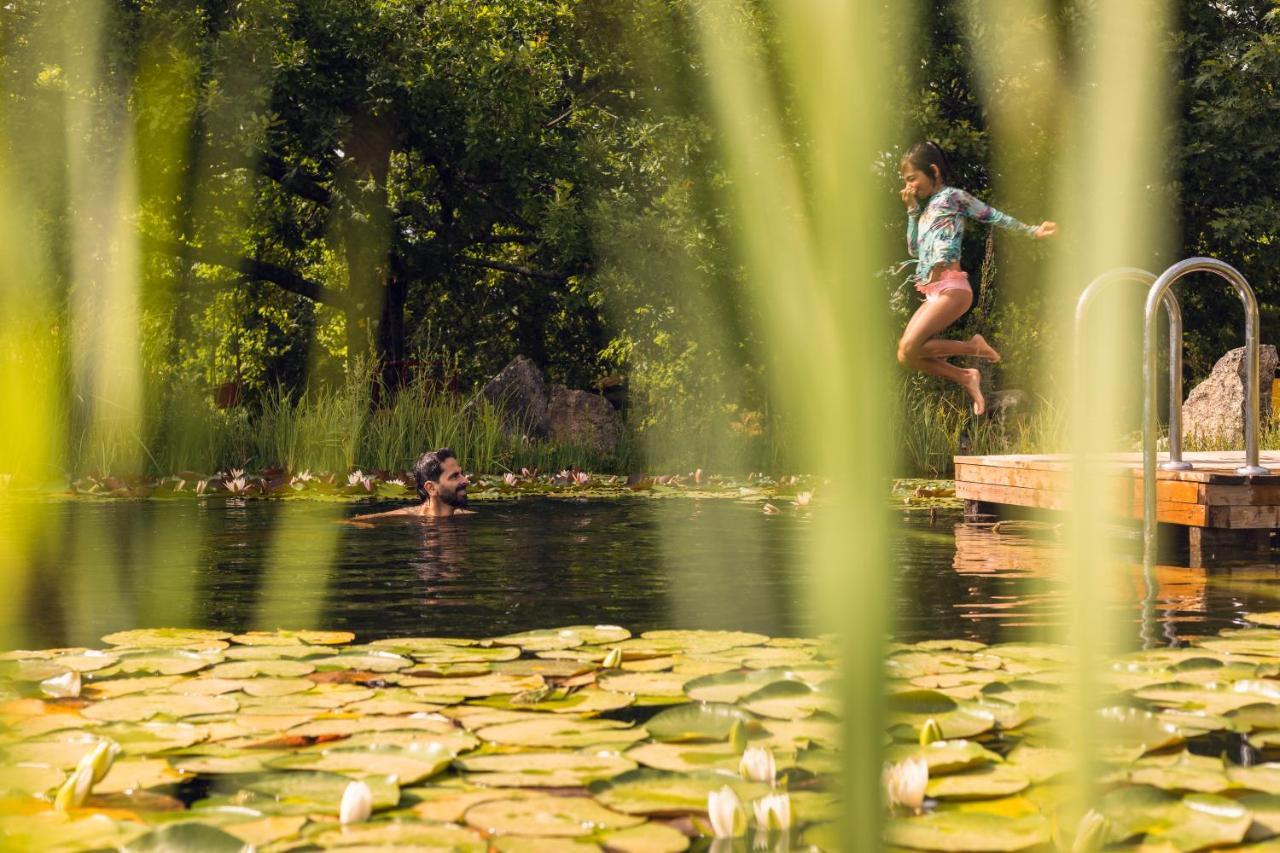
pixel 522 394
pixel 583 419
pixel 1214 411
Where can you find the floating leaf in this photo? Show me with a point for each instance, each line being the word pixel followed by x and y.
pixel 700 721
pixel 644 683
pixel 554 816
pixel 478 687
pixel 188 838
pixel 561 732
pixel 409 766
pixel 130 773
pixel 985 782
pixel 648 837
pixel 264 668
pixel 302 791
pixel 659 792
pixel 563 638
pixel 944 756
pixel 372 661
pixel 543 769
pixel 542 844
pixel 402 835
pixel 32 778
pixel 450 804
pixel 169 637
pixel 1181 772
pixel 968 831
pixel 732 686
pixel 293 638
pixel 1204 820
pixel 684 757
pixel 144 707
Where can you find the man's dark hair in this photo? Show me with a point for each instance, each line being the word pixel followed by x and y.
pixel 429 467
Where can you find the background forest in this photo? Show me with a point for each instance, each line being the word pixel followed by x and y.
pixel 336 197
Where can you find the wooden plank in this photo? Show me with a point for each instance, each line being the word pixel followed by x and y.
pixel 1244 517
pixel 1251 495
pixel 1173 491
pixel 1187 514
pixel 1026 478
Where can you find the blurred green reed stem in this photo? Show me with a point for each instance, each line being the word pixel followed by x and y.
pixel 1104 196
pixel 808 216
pixel 299 564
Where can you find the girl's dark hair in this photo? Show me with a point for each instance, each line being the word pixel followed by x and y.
pixel 924 156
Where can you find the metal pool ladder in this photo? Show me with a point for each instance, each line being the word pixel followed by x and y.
pixel 1159 293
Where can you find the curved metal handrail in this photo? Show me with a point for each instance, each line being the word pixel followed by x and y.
pixel 1251 334
pixel 1174 312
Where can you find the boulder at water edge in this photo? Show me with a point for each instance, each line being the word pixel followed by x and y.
pixel 520 391
pixel 1214 411
pixel 583 419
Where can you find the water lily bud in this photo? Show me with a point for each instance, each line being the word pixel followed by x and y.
pixel 613 659
pixel 738 736
pixel 1091 833
pixel 724 810
pixel 100 758
pixel 76 789
pixel 773 811
pixel 930 732
pixel 758 765
pixel 357 803
pixel 905 783
pixel 65 686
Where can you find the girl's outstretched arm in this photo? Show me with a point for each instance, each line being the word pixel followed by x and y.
pixel 913 222
pixel 985 213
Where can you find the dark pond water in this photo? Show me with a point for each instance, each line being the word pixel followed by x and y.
pixel 93 568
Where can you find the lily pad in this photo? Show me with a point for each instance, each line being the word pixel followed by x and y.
pixel 188 838
pixel 985 782
pixel 969 831
pixel 168 637
pixel 167 662
pixel 542 844
pixel 1182 772
pixel 564 638
pixel 543 769
pixel 562 733
pixel 371 661
pixel 263 669
pixel 554 816
pixel 700 721
pixel 685 757
pixel 143 707
pixel 32 778
pixel 293 638
pixel 648 837
pixel 1204 820
pixel 408 766
pixel 401 835
pixel 478 687
pixel 732 686
pixel 644 683
pixel 305 791
pixel 945 756
pixel 586 701
pixel 659 792
pixel 132 773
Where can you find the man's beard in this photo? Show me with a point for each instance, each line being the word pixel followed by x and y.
pixel 456 499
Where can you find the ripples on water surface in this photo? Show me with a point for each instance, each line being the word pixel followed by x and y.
pixel 518 565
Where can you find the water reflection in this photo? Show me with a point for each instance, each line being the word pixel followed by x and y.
pixel 93 568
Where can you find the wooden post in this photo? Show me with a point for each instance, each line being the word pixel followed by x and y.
pixel 979 511
pixel 1213 544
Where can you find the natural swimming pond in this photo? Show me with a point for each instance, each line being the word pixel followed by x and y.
pixel 103 566
pixel 553 674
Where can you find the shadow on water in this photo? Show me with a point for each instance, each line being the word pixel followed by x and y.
pixel 536 563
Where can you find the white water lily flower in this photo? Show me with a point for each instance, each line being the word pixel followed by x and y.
pixel 758 765
pixel 76 789
pixel 237 485
pixel 770 509
pixel 509 478
pixel 355 478
pixel 1090 832
pixel 582 477
pixel 773 811
pixel 65 686
pixel 905 783
pixel 612 659
pixel 236 473
pixel 724 810
pixel 803 498
pixel 201 486
pixel 100 758
pixel 357 803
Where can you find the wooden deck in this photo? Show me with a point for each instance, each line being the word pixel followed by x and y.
pixel 1211 495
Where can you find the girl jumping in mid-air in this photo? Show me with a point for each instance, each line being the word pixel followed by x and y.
pixel 934 233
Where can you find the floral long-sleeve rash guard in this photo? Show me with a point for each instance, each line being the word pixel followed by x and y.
pixel 934 233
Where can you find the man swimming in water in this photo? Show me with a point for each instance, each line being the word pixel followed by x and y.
pixel 441 485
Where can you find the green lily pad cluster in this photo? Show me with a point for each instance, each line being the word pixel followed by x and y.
pixel 574 738
pixel 1189 740
pixel 790 491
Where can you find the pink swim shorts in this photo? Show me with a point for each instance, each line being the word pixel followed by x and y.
pixel 950 280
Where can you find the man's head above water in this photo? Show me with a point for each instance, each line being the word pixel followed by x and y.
pixel 440 479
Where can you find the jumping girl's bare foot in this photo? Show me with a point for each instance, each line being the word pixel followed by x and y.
pixel 984 349
pixel 972 384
